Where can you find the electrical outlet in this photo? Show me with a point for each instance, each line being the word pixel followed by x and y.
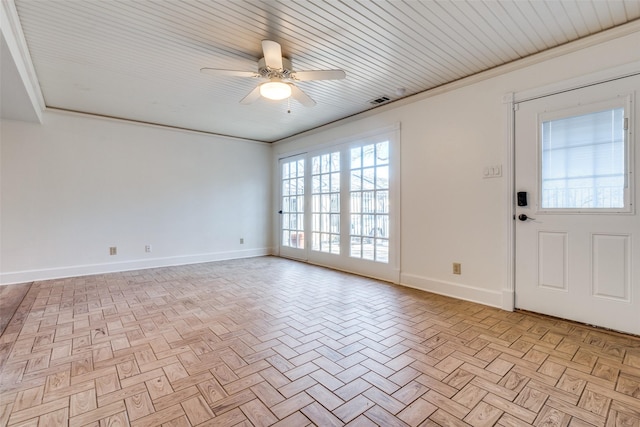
pixel 113 250
pixel 457 268
pixel 242 240
pixel 147 248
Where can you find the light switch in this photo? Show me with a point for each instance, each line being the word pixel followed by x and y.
pixel 494 171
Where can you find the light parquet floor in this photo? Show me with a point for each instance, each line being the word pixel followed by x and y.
pixel 10 299
pixel 268 341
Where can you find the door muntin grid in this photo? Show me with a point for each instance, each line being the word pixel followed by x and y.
pixel 369 202
pixel 325 203
pixel 293 204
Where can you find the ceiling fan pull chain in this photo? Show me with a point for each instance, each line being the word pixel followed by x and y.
pixel 289 105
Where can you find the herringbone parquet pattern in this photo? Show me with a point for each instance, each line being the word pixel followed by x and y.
pixel 268 341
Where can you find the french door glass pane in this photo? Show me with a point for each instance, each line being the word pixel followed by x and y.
pixel 583 161
pixel 369 196
pixel 293 204
pixel 325 196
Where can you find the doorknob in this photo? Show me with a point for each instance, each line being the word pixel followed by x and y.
pixel 524 217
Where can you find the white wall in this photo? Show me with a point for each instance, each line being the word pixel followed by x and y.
pixel 76 185
pixel 449 212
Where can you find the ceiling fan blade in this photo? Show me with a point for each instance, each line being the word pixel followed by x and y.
pixel 272 54
pixel 318 75
pixel 301 97
pixel 232 73
pixel 252 96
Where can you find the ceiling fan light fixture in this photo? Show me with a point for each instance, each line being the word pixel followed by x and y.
pixel 275 90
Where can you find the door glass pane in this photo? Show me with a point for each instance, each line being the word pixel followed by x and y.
pixel 368 178
pixel 583 161
pixel 293 204
pixel 325 176
pixel 382 177
pixel 382 153
pixel 356 202
pixel 370 195
pixel 382 250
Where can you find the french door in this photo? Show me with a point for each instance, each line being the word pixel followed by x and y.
pixel 577 227
pixel 340 207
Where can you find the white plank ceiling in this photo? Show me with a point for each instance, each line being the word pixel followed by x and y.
pixel 140 59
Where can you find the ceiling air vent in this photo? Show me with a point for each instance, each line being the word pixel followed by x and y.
pixel 380 100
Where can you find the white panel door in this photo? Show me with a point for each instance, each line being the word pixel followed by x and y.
pixel 577 237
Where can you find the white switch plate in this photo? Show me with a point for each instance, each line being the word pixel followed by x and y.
pixel 494 171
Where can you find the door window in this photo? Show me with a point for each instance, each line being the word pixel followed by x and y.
pixel 293 204
pixel 369 196
pixel 325 205
pixel 584 161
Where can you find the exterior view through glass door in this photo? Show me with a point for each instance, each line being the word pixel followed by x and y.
pixel 346 219
pixel 577 230
pixel 369 194
pixel 325 206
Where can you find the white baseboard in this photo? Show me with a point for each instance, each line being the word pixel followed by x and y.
pixel 85 270
pixel 454 290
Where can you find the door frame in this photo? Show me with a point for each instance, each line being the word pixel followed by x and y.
pixel 390 271
pixel 511 101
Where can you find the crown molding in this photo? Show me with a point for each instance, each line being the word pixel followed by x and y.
pixel 14 38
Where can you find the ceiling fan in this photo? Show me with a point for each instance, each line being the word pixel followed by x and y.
pixel 279 77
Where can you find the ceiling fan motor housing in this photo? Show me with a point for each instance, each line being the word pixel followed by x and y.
pixel 270 73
